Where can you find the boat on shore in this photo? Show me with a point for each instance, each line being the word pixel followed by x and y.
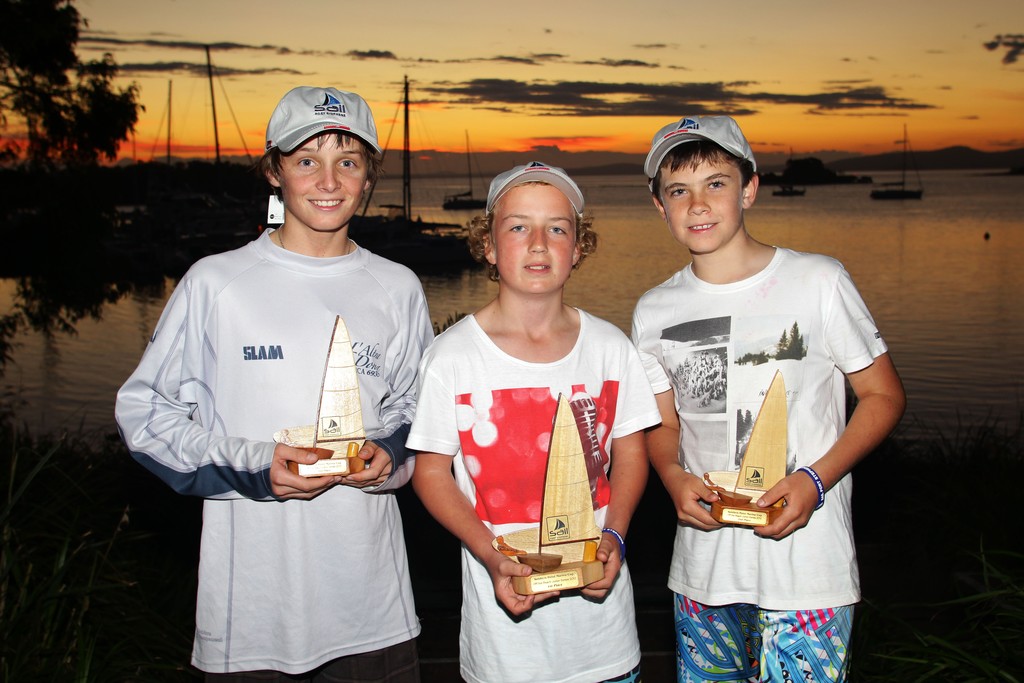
pixel 898 189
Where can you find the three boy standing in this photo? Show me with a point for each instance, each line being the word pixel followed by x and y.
pixel 273 595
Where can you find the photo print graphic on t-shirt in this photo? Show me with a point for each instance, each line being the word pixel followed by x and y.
pixel 758 340
pixel 764 344
pixel 744 425
pixel 697 358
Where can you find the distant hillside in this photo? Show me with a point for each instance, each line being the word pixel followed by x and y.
pixel 636 169
pixel 427 163
pixel 947 158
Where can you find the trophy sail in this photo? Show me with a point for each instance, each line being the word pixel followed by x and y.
pixel 568 505
pixel 562 550
pixel 339 416
pixel 337 433
pixel 763 465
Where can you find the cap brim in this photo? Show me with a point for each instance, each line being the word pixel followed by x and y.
pixel 294 139
pixel 571 192
pixel 657 155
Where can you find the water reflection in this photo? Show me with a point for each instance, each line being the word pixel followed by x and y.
pixel 945 298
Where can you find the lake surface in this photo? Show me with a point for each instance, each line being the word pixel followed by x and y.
pixel 947 298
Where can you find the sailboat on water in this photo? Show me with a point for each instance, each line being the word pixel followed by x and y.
pixel 337 433
pixel 763 465
pixel 562 549
pixel 465 200
pixel 899 189
pixel 410 241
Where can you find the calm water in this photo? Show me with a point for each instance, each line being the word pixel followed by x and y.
pixel 947 300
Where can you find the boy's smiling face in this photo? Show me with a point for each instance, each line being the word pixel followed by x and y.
pixel 704 205
pixel 322 182
pixel 533 238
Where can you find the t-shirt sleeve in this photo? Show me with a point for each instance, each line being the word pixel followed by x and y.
pixel 648 346
pixel 435 428
pixel 399 407
pixel 156 412
pixel 637 408
pixel 851 335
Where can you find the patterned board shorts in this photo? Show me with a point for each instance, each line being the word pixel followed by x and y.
pixel 629 677
pixel 742 642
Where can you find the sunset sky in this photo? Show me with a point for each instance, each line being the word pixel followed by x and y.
pixel 800 75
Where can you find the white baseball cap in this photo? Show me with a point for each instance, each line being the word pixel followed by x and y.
pixel 307 111
pixel 722 130
pixel 535 171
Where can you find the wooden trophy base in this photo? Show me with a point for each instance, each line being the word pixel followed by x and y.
pixel 577 565
pixel 744 514
pixel 566 577
pixel 331 462
pixel 738 505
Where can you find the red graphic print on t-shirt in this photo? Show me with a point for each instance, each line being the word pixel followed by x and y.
pixel 505 436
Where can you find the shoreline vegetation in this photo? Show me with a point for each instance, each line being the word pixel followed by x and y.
pixel 98 561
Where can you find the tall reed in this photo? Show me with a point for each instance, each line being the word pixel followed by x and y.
pixel 947 576
pixel 80 588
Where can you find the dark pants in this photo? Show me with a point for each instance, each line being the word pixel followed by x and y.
pixel 396 664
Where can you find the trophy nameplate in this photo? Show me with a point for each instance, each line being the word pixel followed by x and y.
pixel 334 458
pixel 738 506
pixel 566 577
pixel 576 568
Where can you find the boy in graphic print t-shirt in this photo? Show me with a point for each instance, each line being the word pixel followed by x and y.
pixel 711 338
pixel 488 394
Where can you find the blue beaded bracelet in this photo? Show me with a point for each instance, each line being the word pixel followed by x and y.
pixel 817 484
pixel 618 537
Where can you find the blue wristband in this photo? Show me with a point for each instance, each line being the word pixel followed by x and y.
pixel 618 537
pixel 817 484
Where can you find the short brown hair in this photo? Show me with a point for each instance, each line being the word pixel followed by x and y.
pixel 270 162
pixel 480 237
pixel 693 154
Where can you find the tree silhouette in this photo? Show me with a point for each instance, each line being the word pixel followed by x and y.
pixel 791 344
pixel 54 108
pixel 796 342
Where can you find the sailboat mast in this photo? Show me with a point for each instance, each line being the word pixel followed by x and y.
pixel 469 167
pixel 406 172
pixel 213 105
pixel 169 122
pixel 903 174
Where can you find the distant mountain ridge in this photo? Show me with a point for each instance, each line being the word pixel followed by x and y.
pixel 620 163
pixel 957 157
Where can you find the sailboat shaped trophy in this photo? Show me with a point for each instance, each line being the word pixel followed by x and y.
pixel 562 550
pixel 337 435
pixel 763 466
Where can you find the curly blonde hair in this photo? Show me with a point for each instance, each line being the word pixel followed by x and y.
pixel 480 238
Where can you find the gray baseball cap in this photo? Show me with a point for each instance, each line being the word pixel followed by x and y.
pixel 531 172
pixel 722 130
pixel 307 111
